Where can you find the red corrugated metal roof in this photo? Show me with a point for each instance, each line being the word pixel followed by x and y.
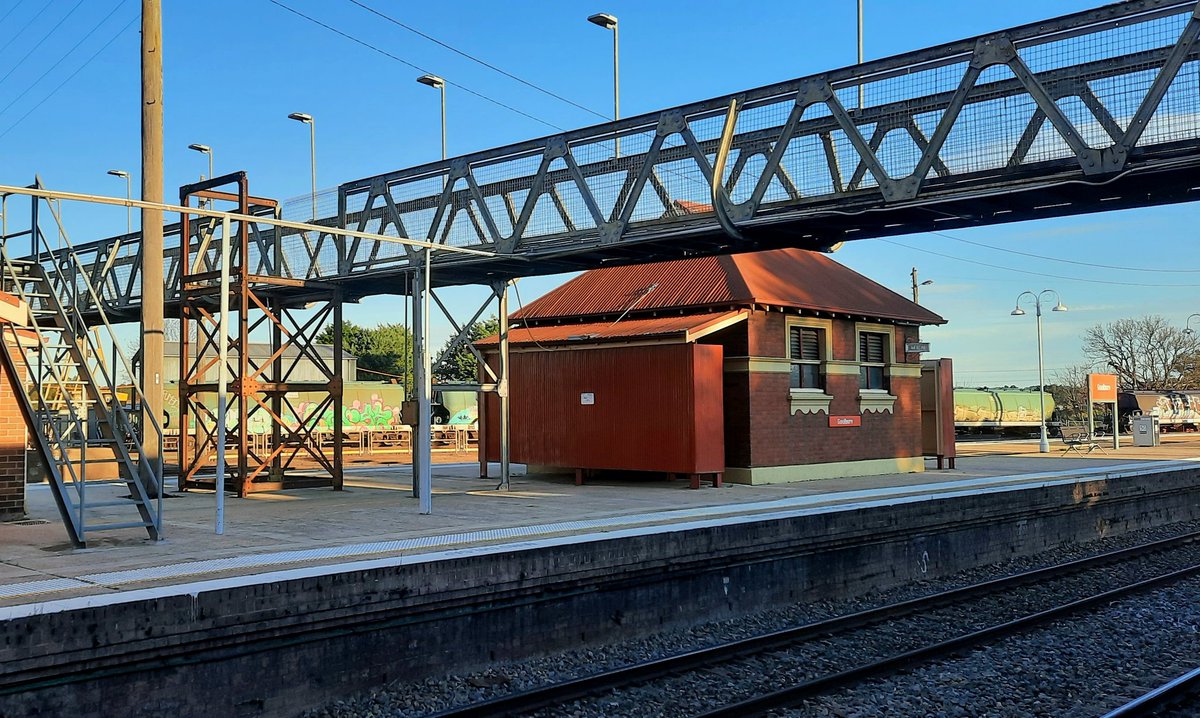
pixel 686 328
pixel 782 277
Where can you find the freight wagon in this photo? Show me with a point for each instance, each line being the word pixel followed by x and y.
pixel 1176 410
pixel 988 411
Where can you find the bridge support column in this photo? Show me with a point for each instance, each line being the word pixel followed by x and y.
pixel 502 390
pixel 422 452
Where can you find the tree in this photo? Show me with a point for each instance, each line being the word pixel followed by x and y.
pixel 1145 353
pixel 384 352
pixel 1070 392
pixel 458 364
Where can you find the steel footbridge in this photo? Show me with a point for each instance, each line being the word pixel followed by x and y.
pixel 1083 113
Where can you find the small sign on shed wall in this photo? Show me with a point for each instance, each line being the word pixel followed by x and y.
pixel 587 398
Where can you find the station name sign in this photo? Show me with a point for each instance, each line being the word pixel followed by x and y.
pixel 1102 388
pixel 839 422
pixel 916 347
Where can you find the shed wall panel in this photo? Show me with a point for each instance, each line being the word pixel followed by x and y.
pixel 657 408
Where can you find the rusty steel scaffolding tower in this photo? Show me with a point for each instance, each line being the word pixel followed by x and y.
pixel 279 443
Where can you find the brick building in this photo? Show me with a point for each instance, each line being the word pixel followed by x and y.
pixel 802 357
pixel 12 421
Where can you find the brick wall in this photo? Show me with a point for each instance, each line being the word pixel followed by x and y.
pixel 770 435
pixel 12 451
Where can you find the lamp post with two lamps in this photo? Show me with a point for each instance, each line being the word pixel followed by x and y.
pixel 1188 324
pixel 1044 444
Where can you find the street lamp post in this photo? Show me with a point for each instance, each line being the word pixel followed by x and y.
pixel 437 83
pixel 205 149
pixel 128 195
pixel 860 54
pixel 1188 324
pixel 1044 444
pixel 916 286
pixel 609 22
pixel 422 479
pixel 312 153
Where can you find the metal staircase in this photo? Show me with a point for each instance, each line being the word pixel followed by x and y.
pixel 78 419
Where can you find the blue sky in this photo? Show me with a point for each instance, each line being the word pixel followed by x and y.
pixel 234 70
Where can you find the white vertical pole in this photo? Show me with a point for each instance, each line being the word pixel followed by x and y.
pixel 422 454
pixel 1044 443
pixel 860 50
pixel 502 390
pixel 616 86
pixel 223 375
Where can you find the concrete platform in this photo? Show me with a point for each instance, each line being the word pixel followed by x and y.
pixel 376 517
pixel 313 595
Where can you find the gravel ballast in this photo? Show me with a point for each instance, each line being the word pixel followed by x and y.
pixel 689 694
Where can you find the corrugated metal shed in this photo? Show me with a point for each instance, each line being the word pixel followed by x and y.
pixel 790 278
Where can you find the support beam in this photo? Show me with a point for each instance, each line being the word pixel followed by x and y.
pixel 502 390
pixel 422 449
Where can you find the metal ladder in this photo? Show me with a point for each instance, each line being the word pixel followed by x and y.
pixel 69 397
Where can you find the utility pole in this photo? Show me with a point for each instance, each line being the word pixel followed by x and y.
pixel 916 286
pixel 152 242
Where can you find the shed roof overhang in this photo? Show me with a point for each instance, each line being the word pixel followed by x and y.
pixel 673 329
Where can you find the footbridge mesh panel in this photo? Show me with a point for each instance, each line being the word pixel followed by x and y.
pixel 1082 99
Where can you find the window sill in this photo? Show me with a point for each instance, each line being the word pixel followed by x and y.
pixel 809 401
pixel 875 401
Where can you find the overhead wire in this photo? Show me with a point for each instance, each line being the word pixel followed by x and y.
pixel 1036 274
pixel 414 66
pixel 11 10
pixel 1064 261
pixel 17 35
pixel 57 26
pixel 478 60
pixel 72 76
pixel 60 61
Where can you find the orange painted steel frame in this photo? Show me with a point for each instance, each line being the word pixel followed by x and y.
pixel 655 408
pixel 258 391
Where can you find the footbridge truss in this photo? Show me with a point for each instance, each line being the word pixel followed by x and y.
pixel 1087 112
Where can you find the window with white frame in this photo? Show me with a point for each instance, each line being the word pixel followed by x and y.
pixel 873 350
pixel 805 349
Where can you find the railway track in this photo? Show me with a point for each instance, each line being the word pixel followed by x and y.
pixel 1161 700
pixel 860 626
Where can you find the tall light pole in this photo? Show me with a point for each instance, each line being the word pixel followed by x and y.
pixel 437 83
pixel 312 153
pixel 1044 445
pixel 916 286
pixel 1188 324
pixel 422 459
pixel 128 195
pixel 860 52
pixel 609 22
pixel 206 150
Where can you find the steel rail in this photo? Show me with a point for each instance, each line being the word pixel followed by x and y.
pixel 554 694
pixel 1168 694
pixel 944 649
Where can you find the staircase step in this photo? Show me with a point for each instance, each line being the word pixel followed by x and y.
pixel 105 504
pixel 113 527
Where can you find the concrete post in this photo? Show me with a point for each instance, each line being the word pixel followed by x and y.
pixel 152 241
